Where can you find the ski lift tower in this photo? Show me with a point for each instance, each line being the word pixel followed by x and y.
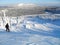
pixel 4 12
pixel 4 15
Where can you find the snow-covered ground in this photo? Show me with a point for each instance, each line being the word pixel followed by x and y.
pixel 30 30
pixel 14 38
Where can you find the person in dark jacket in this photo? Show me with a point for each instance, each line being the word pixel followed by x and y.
pixel 7 27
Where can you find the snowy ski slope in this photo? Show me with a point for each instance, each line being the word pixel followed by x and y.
pixel 31 30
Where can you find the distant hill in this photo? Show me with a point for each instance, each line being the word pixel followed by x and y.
pixel 53 10
pixel 28 9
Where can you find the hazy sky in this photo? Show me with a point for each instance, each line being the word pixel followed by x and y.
pixel 42 2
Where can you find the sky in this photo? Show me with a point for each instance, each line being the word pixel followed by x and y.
pixel 42 2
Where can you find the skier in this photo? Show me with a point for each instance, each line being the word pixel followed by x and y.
pixel 7 27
